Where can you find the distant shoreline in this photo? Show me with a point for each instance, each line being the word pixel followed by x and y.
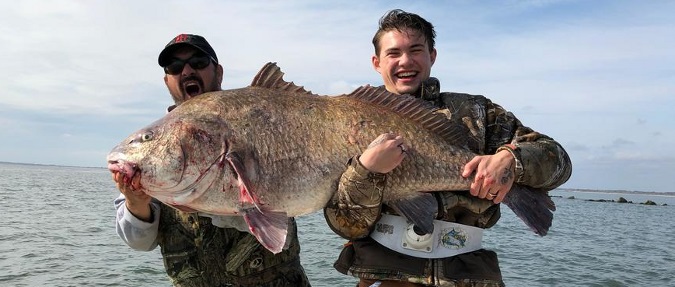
pixel 615 191
pixel 612 191
pixel 45 164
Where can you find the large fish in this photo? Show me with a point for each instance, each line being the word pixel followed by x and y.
pixel 274 150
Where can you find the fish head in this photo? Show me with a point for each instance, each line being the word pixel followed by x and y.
pixel 177 158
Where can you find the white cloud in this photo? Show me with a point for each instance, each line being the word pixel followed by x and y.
pixel 596 76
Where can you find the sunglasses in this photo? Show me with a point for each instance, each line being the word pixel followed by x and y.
pixel 196 62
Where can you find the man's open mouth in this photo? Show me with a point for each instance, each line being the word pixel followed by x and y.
pixel 192 88
pixel 406 75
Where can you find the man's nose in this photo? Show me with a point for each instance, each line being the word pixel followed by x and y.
pixel 187 69
pixel 405 59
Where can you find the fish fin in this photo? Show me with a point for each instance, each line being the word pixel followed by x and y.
pixel 271 77
pixel 247 196
pixel 269 227
pixel 420 210
pixel 422 112
pixel 533 206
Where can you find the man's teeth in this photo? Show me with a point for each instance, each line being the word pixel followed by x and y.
pixel 406 74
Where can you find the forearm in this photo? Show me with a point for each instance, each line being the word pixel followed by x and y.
pixel 135 232
pixel 357 203
pixel 546 164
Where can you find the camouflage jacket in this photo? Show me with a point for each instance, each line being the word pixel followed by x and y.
pixel 357 204
pixel 198 254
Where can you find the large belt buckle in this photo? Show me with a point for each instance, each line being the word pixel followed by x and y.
pixel 413 240
pixel 448 239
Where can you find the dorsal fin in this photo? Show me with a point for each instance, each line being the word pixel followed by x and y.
pixel 417 110
pixel 271 76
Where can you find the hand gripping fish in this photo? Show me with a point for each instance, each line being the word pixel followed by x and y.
pixel 273 150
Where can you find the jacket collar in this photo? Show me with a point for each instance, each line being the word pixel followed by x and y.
pixel 430 90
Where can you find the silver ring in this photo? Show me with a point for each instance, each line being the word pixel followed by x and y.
pixel 402 148
pixel 492 194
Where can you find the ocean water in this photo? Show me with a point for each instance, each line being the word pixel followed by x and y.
pixel 58 229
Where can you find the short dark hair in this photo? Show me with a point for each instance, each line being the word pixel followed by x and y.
pixel 400 20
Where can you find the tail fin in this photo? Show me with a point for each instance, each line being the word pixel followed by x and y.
pixel 533 206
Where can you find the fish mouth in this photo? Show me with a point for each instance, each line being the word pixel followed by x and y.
pixel 127 169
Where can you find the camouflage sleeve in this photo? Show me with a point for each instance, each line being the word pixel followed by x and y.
pixel 545 163
pixel 357 203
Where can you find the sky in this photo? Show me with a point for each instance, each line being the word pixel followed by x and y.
pixel 77 77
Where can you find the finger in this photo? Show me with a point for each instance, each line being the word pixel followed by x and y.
pixel 381 138
pixel 476 187
pixel 500 196
pixel 401 144
pixel 491 194
pixel 377 141
pixel 491 190
pixel 120 178
pixel 117 176
pixel 393 141
pixel 470 167
pixel 136 182
pixel 487 189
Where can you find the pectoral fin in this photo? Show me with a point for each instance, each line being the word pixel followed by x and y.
pixel 247 196
pixel 420 210
pixel 534 207
pixel 270 228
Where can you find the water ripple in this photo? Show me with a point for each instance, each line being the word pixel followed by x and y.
pixel 65 236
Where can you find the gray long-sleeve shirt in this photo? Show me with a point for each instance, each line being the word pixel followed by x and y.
pixel 136 233
pixel 142 236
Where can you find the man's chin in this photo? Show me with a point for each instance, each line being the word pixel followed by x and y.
pixel 407 85
pixel 406 89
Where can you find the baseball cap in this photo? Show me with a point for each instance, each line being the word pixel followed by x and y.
pixel 195 41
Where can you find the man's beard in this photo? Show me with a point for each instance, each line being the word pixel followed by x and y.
pixel 182 95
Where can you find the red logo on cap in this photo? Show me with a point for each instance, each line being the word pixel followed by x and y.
pixel 181 38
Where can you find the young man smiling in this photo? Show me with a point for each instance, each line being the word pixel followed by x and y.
pixel 508 153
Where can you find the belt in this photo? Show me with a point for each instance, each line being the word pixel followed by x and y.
pixel 447 240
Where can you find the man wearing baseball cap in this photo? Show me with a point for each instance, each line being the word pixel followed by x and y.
pixel 187 61
pixel 200 249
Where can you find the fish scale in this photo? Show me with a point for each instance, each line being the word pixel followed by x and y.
pixel 274 150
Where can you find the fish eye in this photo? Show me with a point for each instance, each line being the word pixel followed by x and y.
pixel 146 137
